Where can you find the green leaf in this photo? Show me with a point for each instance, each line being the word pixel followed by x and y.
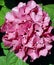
pixel 11 59
pixel 3 12
pixel 5 49
pixel 51 64
pixel 2 46
pixel 2 60
pixel 50 10
pixel 1 2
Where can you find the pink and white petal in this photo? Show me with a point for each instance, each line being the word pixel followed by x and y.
pixel 43 52
pixel 32 54
pixel 52 38
pixel 21 4
pixel 48 47
pixel 20 54
pixel 9 16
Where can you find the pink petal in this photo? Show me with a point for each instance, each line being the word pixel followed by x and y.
pixel 32 53
pixel 43 52
pixel 10 17
pixel 48 47
pixel 20 54
pixel 21 4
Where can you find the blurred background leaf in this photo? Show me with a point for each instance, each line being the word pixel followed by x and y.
pixel 51 64
pixel 2 2
pixel 50 10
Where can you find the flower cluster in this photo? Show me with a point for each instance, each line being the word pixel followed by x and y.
pixel 28 31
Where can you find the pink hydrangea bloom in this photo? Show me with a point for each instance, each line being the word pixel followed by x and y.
pixel 28 32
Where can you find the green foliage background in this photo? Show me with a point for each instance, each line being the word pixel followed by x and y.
pixel 9 58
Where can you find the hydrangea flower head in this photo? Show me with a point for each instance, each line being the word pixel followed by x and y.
pixel 28 31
